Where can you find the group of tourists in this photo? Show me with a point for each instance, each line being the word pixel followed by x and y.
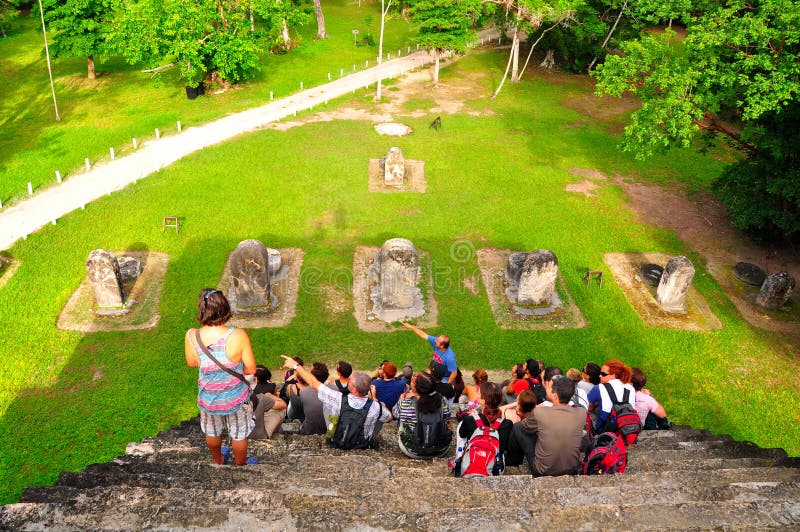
pixel 540 414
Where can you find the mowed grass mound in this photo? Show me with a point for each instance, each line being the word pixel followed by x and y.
pixel 496 179
pixel 124 102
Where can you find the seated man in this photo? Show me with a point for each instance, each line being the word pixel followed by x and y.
pixel 558 431
pixel 389 389
pixel 343 371
pixel 522 445
pixel 304 403
pixel 268 414
pixel 360 393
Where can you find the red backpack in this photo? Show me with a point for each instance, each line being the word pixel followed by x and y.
pixel 481 456
pixel 623 419
pixel 607 455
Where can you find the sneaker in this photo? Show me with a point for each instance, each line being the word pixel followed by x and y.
pixel 226 453
pixel 252 461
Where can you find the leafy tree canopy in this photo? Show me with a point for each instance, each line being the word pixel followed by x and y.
pixel 204 38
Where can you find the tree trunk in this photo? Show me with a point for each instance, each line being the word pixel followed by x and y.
pixel 287 42
pixel 321 33
pixel 90 66
pixel 435 66
pixel 548 60
pixel 515 57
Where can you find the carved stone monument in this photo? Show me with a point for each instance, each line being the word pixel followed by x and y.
pixel 130 268
pixel 749 273
pixel 394 167
pixel 776 290
pixel 532 277
pixel 274 263
pixel 250 280
pixel 675 283
pixel 105 279
pixel 395 273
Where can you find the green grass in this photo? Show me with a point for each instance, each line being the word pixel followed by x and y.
pixel 69 399
pixel 123 102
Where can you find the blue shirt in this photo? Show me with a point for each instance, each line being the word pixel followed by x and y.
pixel 388 392
pixel 447 357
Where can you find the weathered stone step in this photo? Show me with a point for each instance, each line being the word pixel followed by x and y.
pixel 137 508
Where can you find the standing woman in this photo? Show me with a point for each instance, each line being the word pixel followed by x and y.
pixel 222 396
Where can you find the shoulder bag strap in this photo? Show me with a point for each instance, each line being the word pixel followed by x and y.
pixel 209 355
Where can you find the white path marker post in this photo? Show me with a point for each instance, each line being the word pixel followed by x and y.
pixel 180 128
pixel 58 176
pixel 86 163
pixel 271 95
pixel 329 76
pixel 301 85
pixel 158 134
pixel 135 144
pixel 30 189
pixel 111 152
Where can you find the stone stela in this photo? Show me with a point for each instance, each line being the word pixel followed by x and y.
pixel 107 275
pixel 776 290
pixel 394 167
pixel 253 269
pixel 674 284
pixel 394 276
pixel 531 279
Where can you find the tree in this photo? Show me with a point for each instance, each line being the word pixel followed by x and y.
pixel 79 28
pixel 8 12
pixel 444 26
pixel 321 32
pixel 735 74
pixel 213 40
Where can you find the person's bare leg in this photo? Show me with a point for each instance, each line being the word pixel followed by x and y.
pixel 215 445
pixel 240 451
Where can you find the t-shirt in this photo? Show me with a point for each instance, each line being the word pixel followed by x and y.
pixel 387 392
pixel 332 406
pixel 314 422
pixel 644 405
pixel 524 384
pixel 599 396
pixel 559 432
pixel 406 414
pixel 446 357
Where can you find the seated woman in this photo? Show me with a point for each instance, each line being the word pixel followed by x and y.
pixel 490 399
pixel 472 392
pixel 652 415
pixel 618 376
pixel 424 419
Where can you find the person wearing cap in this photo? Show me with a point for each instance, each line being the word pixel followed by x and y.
pixel 388 389
pixel 442 353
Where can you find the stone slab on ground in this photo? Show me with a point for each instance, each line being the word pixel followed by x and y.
pixel 284 289
pixel 362 259
pixel 492 263
pixel 625 266
pixel 414 178
pixel 78 314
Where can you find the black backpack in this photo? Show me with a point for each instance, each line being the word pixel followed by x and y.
pixel 623 420
pixel 431 437
pixel 342 387
pixel 349 433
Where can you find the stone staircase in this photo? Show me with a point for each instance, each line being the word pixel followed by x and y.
pixel 679 479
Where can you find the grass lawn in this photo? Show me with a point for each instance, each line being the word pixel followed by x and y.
pixel 123 102
pixel 496 176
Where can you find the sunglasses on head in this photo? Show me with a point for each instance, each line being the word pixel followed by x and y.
pixel 604 374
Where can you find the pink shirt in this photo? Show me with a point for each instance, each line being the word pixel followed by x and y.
pixel 644 405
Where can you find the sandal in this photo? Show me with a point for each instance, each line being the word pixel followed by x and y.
pixel 226 453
